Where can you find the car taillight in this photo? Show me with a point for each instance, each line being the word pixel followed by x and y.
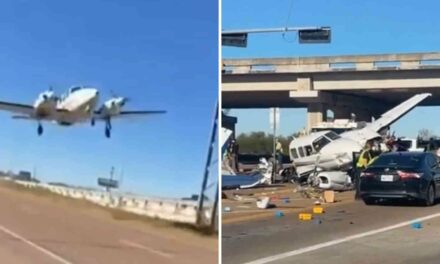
pixel 367 174
pixel 408 175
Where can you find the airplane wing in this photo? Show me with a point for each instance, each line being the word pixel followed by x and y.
pixel 371 131
pixel 124 114
pixel 397 112
pixel 23 109
pixel 131 113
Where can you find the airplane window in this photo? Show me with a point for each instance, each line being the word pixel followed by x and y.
pixel 319 143
pixel 294 153
pixel 301 152
pixel 332 135
pixel 309 150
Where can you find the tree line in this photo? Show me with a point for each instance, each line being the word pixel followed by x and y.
pixel 261 143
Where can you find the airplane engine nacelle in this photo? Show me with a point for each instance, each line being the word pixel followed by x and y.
pixel 333 180
pixel 46 104
pixel 113 106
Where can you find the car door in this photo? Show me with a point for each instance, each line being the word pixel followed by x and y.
pixel 435 170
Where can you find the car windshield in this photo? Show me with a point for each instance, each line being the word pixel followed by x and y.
pixel 398 161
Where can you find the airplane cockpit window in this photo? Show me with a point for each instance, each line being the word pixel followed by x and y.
pixel 332 135
pixel 74 89
pixel 309 150
pixel 301 151
pixel 319 143
pixel 294 153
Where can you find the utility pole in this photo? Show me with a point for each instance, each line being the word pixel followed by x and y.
pixel 208 163
pixel 274 168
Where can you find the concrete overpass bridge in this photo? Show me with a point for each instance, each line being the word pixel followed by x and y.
pixel 365 85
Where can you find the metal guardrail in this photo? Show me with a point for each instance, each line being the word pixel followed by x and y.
pixel 167 209
pixel 407 61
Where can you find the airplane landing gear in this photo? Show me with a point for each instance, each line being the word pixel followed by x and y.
pixel 40 130
pixel 93 122
pixel 107 132
pixel 108 128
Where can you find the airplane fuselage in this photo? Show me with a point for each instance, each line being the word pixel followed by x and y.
pixel 77 107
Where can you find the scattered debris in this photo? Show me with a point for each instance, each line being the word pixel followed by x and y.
pixel 241 198
pixel 227 209
pixel 416 225
pixel 263 203
pixel 279 214
pixel 286 200
pixel 310 192
pixel 317 221
pixel 305 216
pixel 329 196
pixel 318 210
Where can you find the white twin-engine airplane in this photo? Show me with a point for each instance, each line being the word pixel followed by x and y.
pixel 326 157
pixel 77 106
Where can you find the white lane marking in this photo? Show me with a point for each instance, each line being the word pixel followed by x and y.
pixel 152 250
pixel 37 247
pixel 338 241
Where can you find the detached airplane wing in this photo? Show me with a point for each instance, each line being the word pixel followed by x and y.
pixel 397 112
pixel 27 110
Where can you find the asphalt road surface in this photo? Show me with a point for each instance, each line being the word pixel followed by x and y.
pixel 40 229
pixel 348 233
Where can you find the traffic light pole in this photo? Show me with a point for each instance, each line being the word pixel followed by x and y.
pixel 272 30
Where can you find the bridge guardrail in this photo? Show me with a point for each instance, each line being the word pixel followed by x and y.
pixel 406 61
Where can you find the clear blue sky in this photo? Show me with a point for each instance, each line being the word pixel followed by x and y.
pixel 161 54
pixel 358 27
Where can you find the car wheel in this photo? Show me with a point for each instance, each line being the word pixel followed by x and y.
pixel 369 201
pixel 429 196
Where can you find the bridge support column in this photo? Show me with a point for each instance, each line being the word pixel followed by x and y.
pixel 342 112
pixel 316 112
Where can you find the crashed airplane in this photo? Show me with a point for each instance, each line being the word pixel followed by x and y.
pixel 325 158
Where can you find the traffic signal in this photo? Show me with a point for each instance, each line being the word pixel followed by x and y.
pixel 235 39
pixel 314 36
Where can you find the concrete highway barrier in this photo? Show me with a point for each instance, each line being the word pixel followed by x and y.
pixel 173 210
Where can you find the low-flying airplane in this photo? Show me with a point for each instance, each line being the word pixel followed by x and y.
pixel 76 106
pixel 325 157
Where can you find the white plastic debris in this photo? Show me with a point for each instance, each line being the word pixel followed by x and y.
pixel 263 203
